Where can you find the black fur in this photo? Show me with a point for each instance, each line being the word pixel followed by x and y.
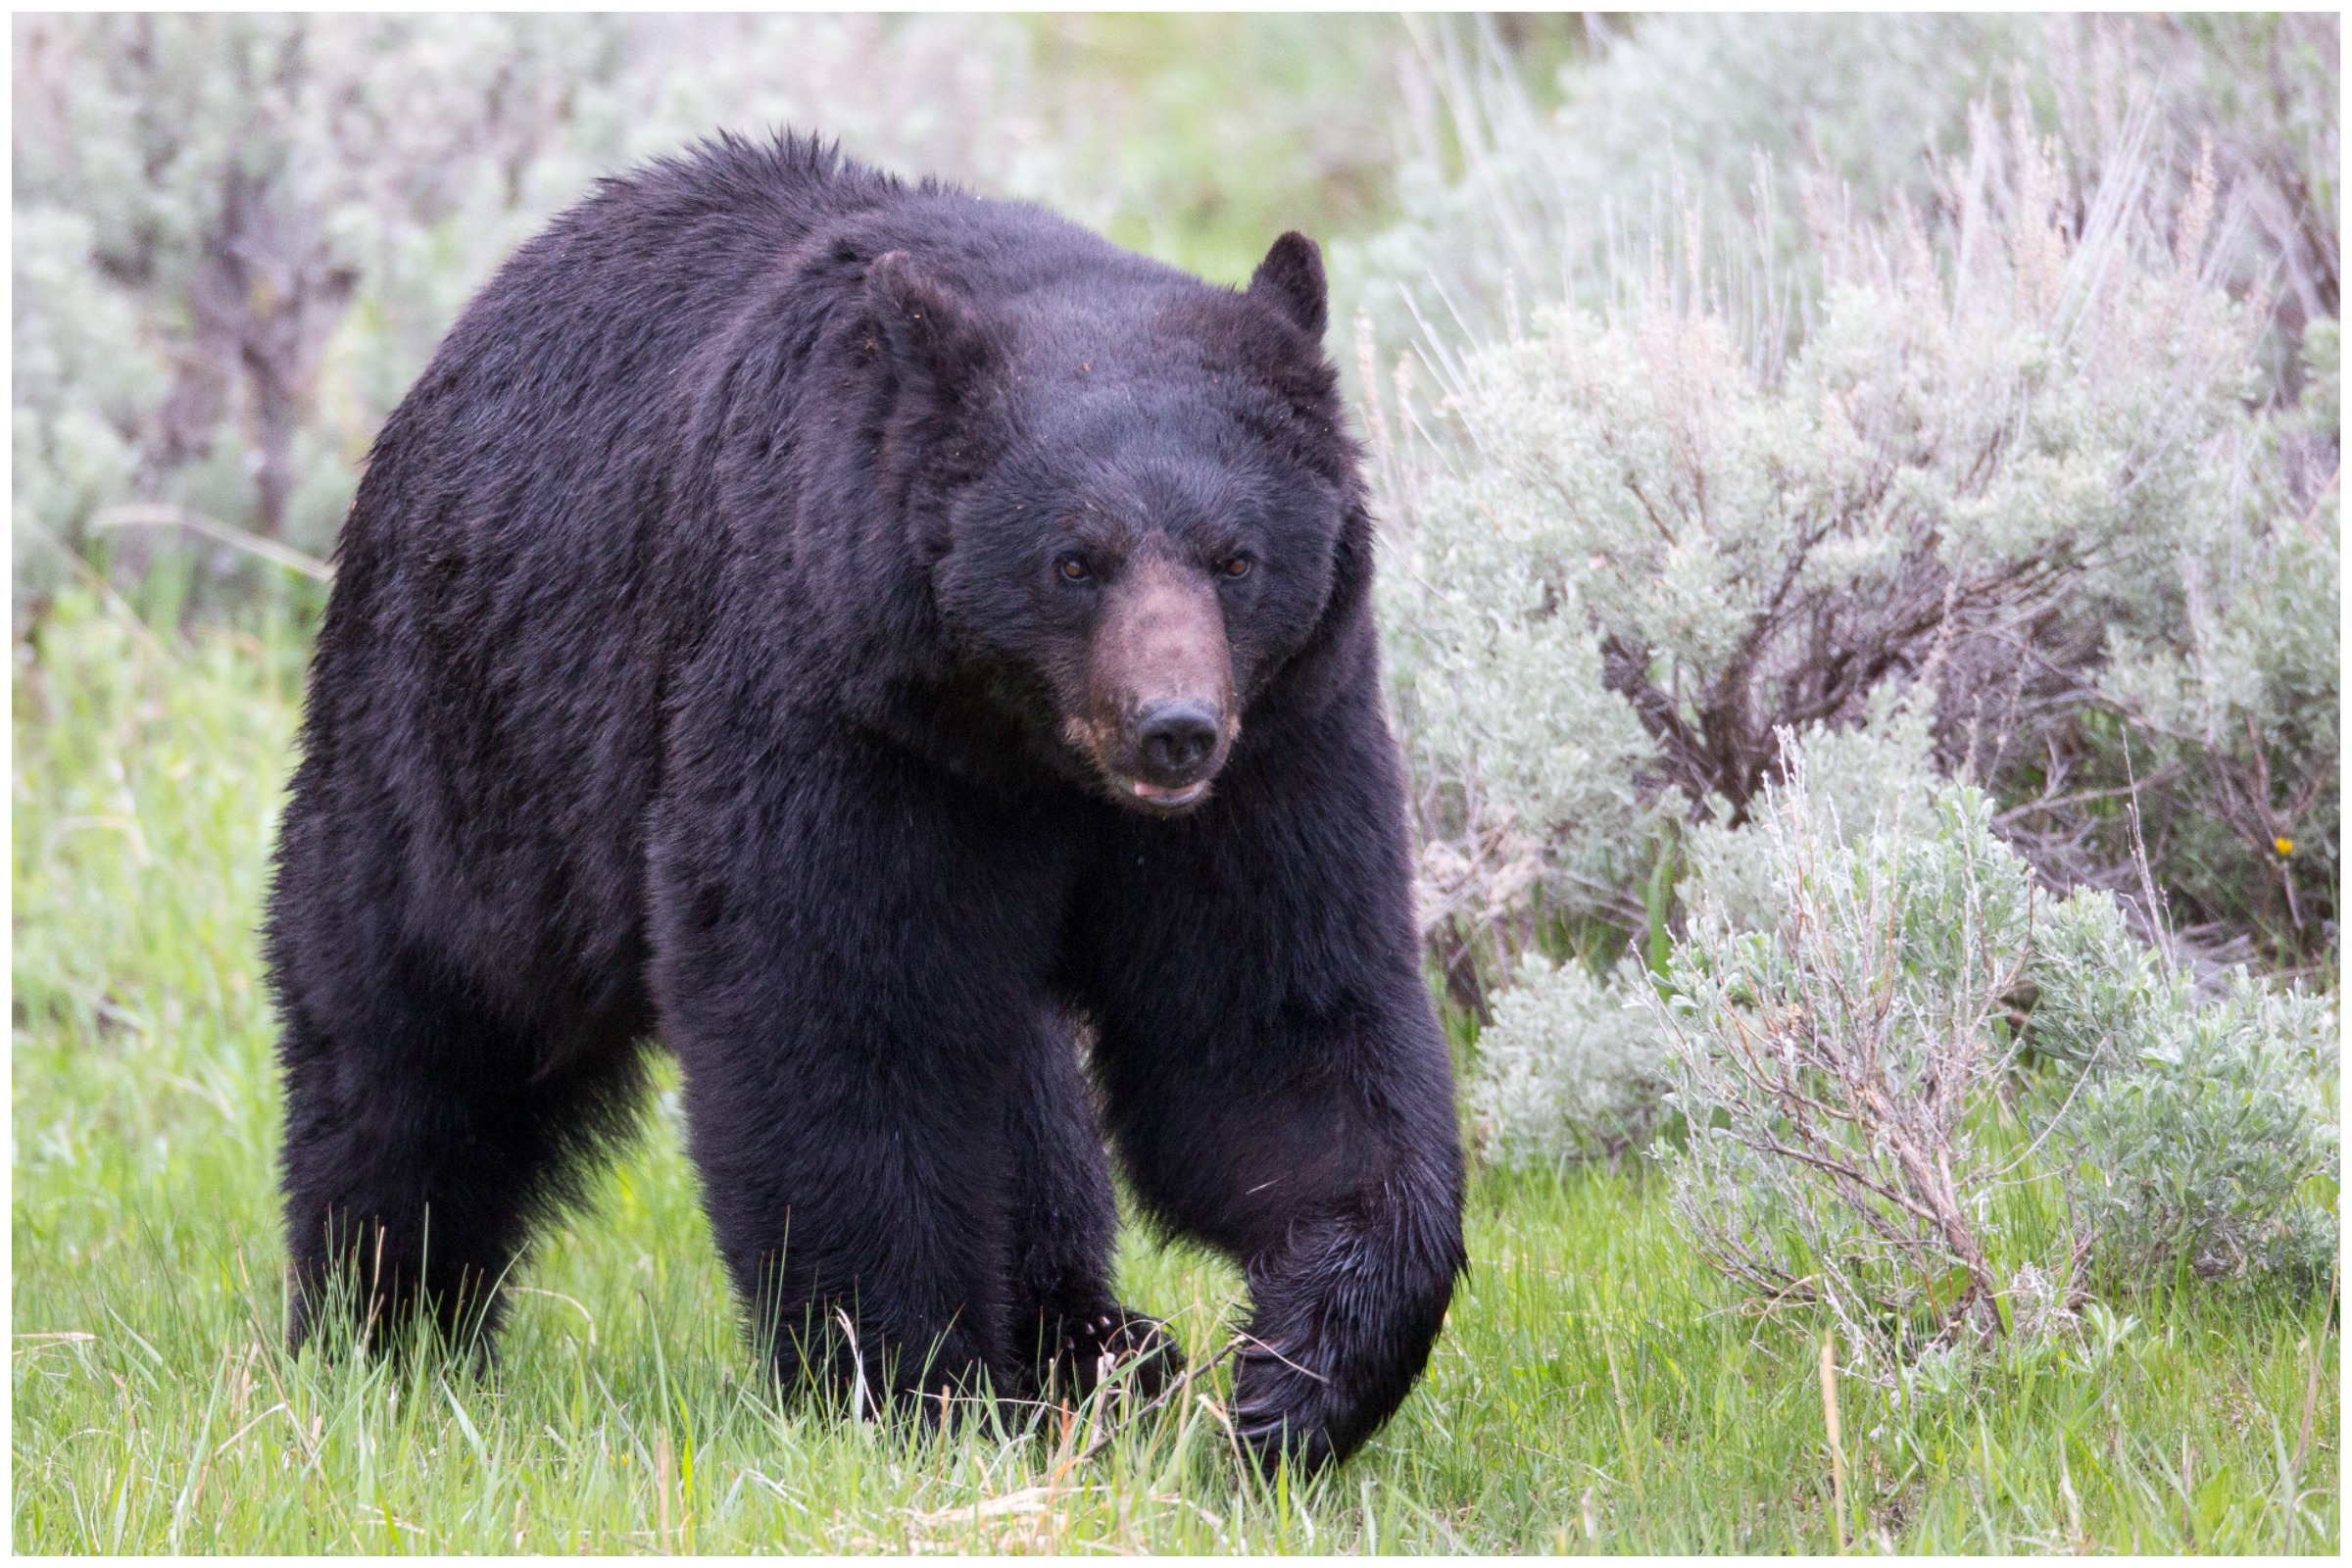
pixel 697 667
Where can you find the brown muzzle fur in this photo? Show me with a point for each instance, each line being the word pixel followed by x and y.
pixel 1157 717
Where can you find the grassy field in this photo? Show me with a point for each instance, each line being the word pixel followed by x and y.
pixel 1595 1391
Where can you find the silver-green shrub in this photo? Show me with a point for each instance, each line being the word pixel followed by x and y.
pixel 2010 513
pixel 1915 1090
pixel 1988 428
pixel 2021 443
pixel 1668 117
pixel 1830 1068
pixel 2202 1133
pixel 2232 691
pixel 2016 558
pixel 1572 1067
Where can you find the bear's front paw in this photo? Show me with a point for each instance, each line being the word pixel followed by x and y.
pixel 1284 1409
pixel 1094 1346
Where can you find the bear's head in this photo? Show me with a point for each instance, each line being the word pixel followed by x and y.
pixel 1156 491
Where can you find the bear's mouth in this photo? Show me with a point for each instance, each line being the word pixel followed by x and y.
pixel 1165 798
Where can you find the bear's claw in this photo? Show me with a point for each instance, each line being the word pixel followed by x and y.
pixel 1094 1347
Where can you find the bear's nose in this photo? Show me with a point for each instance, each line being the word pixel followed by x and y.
pixel 1176 737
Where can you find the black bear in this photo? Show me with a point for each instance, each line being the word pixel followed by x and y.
pixel 872 639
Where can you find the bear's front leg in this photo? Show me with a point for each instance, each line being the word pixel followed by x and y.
pixel 1072 1331
pixel 850 956
pixel 1275 1077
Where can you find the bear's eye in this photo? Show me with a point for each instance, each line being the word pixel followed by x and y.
pixel 1235 567
pixel 1073 568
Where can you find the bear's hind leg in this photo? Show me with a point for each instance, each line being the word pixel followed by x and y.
pixel 420 1140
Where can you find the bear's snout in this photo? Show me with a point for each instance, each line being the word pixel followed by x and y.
pixel 1159 716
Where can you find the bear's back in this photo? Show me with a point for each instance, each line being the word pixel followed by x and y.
pixel 486 688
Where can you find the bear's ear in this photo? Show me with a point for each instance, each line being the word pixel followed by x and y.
pixel 1290 279
pixel 924 328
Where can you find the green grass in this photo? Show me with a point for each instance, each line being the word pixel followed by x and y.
pixel 1594 1388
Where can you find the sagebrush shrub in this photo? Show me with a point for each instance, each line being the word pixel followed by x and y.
pixel 1572 1067
pixel 1831 1067
pixel 2012 513
pixel 2009 535
pixel 2012 462
pixel 1916 1090
pixel 1907 1084
pixel 2198 1133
